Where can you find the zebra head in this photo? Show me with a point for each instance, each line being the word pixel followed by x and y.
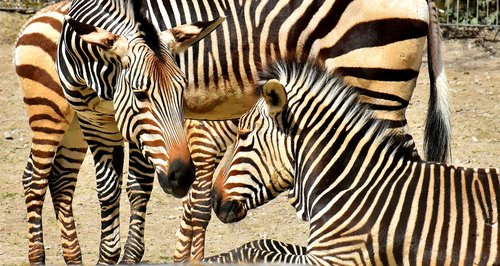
pixel 148 96
pixel 260 165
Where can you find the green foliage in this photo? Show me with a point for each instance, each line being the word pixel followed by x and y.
pixel 480 12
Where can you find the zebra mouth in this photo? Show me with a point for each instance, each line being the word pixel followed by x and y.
pixel 178 180
pixel 231 211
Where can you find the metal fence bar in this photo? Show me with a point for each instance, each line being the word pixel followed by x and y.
pixel 469 12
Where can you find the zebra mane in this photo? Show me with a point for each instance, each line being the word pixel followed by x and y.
pixel 146 28
pixel 307 78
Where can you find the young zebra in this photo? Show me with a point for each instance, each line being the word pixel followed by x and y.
pixel 58 145
pixel 367 195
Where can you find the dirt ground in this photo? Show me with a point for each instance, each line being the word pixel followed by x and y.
pixel 474 78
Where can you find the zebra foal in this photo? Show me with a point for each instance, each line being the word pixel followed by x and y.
pixel 367 195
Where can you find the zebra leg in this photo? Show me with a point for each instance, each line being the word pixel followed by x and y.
pixel 62 181
pixel 139 187
pixel 196 216
pixel 264 250
pixel 106 145
pixel 208 141
pixel 45 140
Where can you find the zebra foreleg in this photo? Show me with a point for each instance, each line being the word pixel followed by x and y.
pixel 196 216
pixel 208 141
pixel 106 145
pixel 139 187
pixel 62 181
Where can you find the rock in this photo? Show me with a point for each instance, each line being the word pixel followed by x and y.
pixel 8 135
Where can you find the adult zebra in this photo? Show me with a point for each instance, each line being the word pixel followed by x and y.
pixel 336 45
pixel 367 195
pixel 35 55
pixel 147 71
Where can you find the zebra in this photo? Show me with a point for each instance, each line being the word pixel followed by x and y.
pixel 367 195
pixel 58 146
pixel 35 64
pixel 219 82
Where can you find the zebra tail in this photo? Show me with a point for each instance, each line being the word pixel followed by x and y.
pixel 438 125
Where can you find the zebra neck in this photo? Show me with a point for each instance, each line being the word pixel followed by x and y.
pixel 345 155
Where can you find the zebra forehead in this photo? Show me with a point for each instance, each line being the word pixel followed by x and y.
pixel 147 30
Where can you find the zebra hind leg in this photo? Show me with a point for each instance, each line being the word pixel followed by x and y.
pixel 67 162
pixel 139 187
pixel 46 137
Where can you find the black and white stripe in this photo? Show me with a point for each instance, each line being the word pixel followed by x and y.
pixel 336 33
pixel 367 195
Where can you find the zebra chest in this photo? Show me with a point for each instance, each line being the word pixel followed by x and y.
pixel 89 105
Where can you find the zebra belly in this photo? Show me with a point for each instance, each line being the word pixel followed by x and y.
pixel 217 106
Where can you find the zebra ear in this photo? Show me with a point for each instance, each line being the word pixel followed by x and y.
pixel 275 95
pixel 183 36
pixel 93 35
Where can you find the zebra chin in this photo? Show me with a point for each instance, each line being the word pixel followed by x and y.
pixel 179 178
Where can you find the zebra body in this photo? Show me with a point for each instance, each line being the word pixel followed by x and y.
pixel 367 195
pixel 222 69
pixel 57 145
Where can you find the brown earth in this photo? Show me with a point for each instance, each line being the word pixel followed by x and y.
pixel 474 77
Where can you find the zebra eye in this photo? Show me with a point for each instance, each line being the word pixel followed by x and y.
pixel 243 133
pixel 141 96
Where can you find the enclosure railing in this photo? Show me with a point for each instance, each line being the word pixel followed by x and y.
pixel 469 12
pixel 451 12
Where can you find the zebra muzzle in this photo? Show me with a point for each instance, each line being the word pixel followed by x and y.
pixel 179 178
pixel 230 211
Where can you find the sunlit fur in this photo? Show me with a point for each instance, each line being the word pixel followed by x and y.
pixel 367 195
